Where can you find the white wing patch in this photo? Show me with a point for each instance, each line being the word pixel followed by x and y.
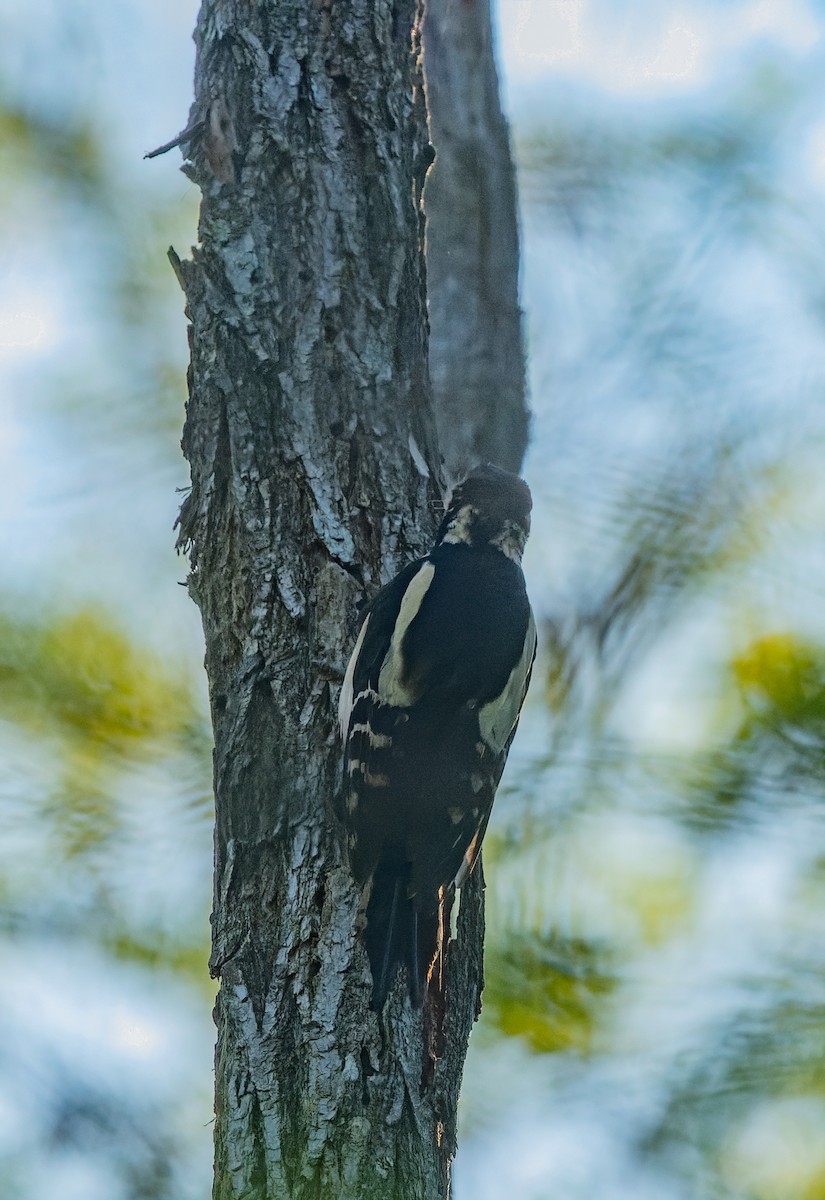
pixel 497 719
pixel 390 685
pixel 346 697
pixel 378 741
pixel 466 862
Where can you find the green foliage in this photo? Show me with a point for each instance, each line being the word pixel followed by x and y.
pixel 545 991
pixel 76 675
pixel 782 684
pixel 67 156
pixel 96 703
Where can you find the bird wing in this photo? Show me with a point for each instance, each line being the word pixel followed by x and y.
pixel 430 704
pixel 495 718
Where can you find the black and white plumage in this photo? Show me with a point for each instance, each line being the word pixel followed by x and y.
pixel 429 707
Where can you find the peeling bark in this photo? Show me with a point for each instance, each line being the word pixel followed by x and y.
pixel 311 440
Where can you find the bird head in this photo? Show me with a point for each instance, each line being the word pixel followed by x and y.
pixel 490 508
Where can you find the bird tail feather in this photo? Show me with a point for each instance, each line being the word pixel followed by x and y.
pixel 398 932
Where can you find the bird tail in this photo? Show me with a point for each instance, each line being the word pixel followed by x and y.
pixel 399 931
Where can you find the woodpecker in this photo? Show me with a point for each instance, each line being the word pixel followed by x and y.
pixel 429 705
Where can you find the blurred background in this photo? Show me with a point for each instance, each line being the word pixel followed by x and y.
pixel 654 1020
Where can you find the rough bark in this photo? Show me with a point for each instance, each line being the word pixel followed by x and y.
pixel 311 441
pixel 476 345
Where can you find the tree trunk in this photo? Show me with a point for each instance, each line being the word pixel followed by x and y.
pixel 476 345
pixel 311 440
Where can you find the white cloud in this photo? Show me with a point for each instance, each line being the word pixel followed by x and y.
pixel 789 22
pixel 24 331
pixel 679 57
pixel 638 47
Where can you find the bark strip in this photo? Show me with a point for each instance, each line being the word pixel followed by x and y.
pixel 476 343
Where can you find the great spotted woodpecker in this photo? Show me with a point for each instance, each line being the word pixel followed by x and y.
pixel 429 706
